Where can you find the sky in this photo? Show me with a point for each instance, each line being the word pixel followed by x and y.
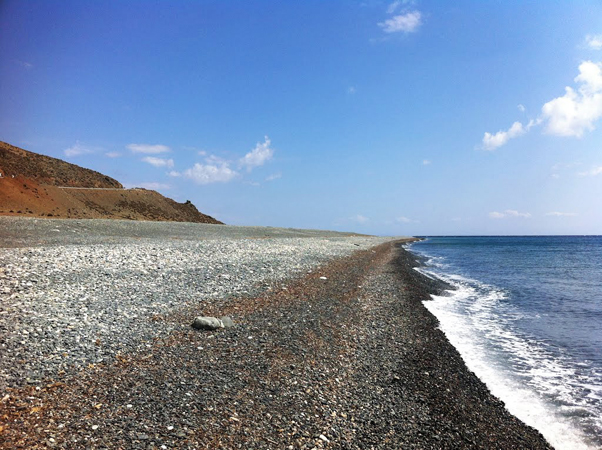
pixel 390 118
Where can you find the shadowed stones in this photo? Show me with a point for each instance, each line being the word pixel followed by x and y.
pixel 212 323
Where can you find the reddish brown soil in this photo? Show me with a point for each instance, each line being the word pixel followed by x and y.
pixel 40 186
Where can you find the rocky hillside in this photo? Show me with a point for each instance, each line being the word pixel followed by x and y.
pixel 50 171
pixel 40 186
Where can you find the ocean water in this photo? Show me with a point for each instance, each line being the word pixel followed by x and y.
pixel 526 315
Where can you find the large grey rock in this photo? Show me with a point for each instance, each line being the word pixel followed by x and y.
pixel 207 323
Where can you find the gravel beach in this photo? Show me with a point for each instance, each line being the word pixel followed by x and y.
pixel 331 346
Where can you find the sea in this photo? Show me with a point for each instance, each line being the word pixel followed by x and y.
pixel 525 313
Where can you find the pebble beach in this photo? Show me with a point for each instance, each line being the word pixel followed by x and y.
pixel 330 346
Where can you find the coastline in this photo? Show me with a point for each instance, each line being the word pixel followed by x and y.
pixel 529 344
pixel 345 356
pixel 461 399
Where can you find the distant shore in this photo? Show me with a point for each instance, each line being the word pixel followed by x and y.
pixel 331 348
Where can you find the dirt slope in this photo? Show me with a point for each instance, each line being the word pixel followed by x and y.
pixel 40 186
pixel 50 171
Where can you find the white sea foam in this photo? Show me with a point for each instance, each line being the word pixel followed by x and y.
pixel 520 371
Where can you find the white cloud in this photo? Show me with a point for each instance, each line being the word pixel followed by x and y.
pixel 426 162
pixel 360 219
pixel 594 42
pixel 351 90
pixel 112 154
pixel 216 169
pixel 209 173
pixel 521 108
pixel 576 111
pixel 158 162
pixel 402 219
pixel 148 148
pixel 274 176
pixel 215 160
pixel 78 149
pixel 25 64
pixel 560 214
pixel 592 173
pixel 406 23
pixel 258 156
pixel 570 115
pixel 513 213
pixel 493 141
pixel 563 167
pixel 393 6
pixel 508 213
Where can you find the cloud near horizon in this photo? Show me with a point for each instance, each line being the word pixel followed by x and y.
pixel 592 173
pixel 158 162
pixel 360 219
pixel 508 213
pixel 149 149
pixel 570 115
pixel 78 149
pixel 258 156
pixel 209 173
pixel 216 169
pixel 560 214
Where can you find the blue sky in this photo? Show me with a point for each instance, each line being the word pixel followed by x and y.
pixel 395 118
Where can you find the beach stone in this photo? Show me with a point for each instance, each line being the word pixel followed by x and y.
pixel 207 323
pixel 227 322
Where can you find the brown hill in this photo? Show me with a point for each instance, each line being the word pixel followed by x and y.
pixel 40 186
pixel 50 171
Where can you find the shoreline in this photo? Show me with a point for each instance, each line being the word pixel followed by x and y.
pixel 345 356
pixel 495 316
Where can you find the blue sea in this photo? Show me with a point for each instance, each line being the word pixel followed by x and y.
pixel 526 315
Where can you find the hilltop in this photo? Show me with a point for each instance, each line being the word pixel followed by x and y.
pixel 36 185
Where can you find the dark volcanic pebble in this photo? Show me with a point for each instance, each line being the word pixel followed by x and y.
pixel 346 357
